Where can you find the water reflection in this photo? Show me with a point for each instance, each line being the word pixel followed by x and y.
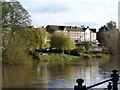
pixel 58 74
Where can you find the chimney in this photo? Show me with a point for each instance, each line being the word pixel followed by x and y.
pixel 75 27
pixel 87 26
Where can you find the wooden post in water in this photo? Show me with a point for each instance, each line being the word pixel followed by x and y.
pixel 80 86
pixel 115 79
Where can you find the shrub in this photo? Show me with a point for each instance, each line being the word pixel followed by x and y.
pixel 35 55
pixel 81 48
pixel 100 52
pixel 55 51
pixel 87 44
pixel 67 52
pixel 75 53
pixel 87 56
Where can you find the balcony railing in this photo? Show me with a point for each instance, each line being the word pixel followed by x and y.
pixel 112 85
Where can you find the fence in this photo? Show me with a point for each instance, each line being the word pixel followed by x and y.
pixel 113 83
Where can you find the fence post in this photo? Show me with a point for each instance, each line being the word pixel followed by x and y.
pixel 109 86
pixel 115 79
pixel 80 86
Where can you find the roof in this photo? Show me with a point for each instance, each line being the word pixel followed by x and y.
pixel 70 28
pixel 57 28
pixel 93 30
pixel 84 29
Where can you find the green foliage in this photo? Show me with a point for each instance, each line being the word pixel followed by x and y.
pixel 36 38
pixel 108 37
pixel 15 52
pixel 13 14
pixel 62 41
pixel 74 52
pixel 86 56
pixel 100 52
pixel 81 48
pixel 14 19
pixel 35 55
pixel 41 37
pixel 87 44
pixel 47 45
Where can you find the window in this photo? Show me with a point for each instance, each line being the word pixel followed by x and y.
pixel 71 33
pixel 78 32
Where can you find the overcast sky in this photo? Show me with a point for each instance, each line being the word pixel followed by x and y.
pixel 92 13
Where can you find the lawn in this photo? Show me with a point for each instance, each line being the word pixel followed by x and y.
pixel 58 57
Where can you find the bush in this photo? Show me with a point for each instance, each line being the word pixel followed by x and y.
pixel 86 56
pixel 35 55
pixel 100 52
pixel 55 51
pixel 67 52
pixel 42 50
pixel 75 53
pixel 87 44
pixel 105 52
pixel 81 48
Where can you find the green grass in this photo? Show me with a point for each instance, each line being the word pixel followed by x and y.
pixel 59 57
pixel 49 57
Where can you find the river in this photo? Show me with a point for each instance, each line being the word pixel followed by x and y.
pixel 58 74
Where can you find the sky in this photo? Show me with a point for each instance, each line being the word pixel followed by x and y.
pixel 92 13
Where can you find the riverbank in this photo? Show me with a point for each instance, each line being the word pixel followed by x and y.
pixel 65 57
pixel 37 57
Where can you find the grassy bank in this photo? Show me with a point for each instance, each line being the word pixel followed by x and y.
pixel 59 57
pixel 66 57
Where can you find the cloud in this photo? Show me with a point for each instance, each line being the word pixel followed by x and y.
pixel 72 12
pixel 91 24
pixel 52 9
pixel 46 7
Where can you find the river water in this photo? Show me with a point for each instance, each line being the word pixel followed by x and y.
pixel 59 74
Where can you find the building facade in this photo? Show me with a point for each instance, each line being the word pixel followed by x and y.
pixel 77 34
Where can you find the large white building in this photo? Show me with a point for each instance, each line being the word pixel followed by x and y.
pixel 78 34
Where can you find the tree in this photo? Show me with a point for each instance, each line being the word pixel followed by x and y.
pixel 36 38
pixel 87 44
pixel 108 37
pixel 14 19
pixel 13 14
pixel 15 52
pixel 62 41
pixel 42 37
pixel 111 24
pixel 81 48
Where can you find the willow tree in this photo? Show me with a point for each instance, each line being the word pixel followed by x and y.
pixel 36 38
pixel 62 41
pixel 42 37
